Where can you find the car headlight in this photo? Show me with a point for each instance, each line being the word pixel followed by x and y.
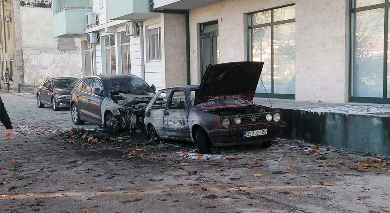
pixel 63 96
pixel 276 117
pixel 237 120
pixel 268 117
pixel 226 122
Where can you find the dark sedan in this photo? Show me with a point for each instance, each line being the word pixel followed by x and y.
pixel 55 92
pixel 219 112
pixel 113 102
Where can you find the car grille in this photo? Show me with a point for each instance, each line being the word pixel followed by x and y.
pixel 252 119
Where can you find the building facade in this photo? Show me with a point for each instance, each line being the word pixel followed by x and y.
pixel 314 50
pixel 29 52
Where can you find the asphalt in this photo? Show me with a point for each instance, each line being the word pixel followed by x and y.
pixel 51 167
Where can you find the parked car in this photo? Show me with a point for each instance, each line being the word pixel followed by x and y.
pixel 219 112
pixel 55 92
pixel 113 102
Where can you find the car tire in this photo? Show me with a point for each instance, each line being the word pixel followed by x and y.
pixel 74 111
pixel 39 103
pixel 111 123
pixel 152 134
pixel 202 141
pixel 266 144
pixel 55 106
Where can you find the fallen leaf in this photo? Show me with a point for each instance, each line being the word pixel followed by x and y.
pixel 205 189
pixel 258 175
pixel 131 201
pixel 194 172
pixel 305 175
pixel 328 184
pixel 138 131
pixel 342 162
pixel 183 164
pixel 317 147
pixel 87 211
pixel 290 168
pixel 3 196
pixel 13 161
pixel 328 148
pixel 296 193
pixel 65 195
pixel 200 157
pixel 353 167
pixel 2 182
pixel 212 196
pixel 373 211
pixel 363 197
pixel 232 158
pixel 271 212
pixel 221 170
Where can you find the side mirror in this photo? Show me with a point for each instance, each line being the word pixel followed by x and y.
pixel 97 91
pixel 153 87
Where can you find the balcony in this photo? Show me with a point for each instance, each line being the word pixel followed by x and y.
pixel 69 16
pixel 181 4
pixel 135 10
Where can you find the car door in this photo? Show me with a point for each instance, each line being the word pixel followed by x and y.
pixel 45 92
pixel 94 101
pixel 82 99
pixel 176 115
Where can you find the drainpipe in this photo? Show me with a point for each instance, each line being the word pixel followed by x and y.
pixel 188 41
pixel 142 49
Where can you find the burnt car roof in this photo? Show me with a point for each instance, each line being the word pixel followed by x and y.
pixel 63 78
pixel 108 77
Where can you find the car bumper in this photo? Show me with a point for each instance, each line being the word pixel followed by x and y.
pixel 235 136
pixel 63 103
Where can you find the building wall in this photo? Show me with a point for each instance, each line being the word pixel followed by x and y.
pixel 175 49
pixel 43 55
pixel 322 50
pixel 321 29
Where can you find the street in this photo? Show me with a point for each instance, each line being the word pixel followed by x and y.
pixel 49 167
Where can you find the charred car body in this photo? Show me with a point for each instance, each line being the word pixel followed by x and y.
pixel 219 112
pixel 113 102
pixel 55 92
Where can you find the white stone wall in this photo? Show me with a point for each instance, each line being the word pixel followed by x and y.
pixel 321 42
pixel 43 55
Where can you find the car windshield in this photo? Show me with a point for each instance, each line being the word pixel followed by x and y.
pixel 65 83
pixel 127 85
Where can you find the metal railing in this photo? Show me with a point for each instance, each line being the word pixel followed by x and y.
pixel 60 5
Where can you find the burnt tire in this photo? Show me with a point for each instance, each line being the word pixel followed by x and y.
pixel 202 141
pixel 152 134
pixel 266 144
pixel 111 123
pixel 39 103
pixel 74 111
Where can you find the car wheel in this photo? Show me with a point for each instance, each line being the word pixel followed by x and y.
pixel 111 123
pixel 39 103
pixel 55 106
pixel 152 134
pixel 266 144
pixel 202 141
pixel 75 115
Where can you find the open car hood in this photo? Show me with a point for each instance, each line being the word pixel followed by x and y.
pixel 230 81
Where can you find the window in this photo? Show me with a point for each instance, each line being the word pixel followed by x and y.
pixel 110 55
pixel 370 74
pixel 161 100
pixel 272 41
pixel 89 60
pixel 154 48
pixel 125 53
pixel 178 100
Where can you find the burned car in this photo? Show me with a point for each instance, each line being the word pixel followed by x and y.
pixel 113 102
pixel 219 112
pixel 55 92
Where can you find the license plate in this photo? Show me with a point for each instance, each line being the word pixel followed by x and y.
pixel 256 133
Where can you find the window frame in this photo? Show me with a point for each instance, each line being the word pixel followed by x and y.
pixel 159 35
pixel 352 59
pixel 111 47
pixel 271 24
pixel 122 43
